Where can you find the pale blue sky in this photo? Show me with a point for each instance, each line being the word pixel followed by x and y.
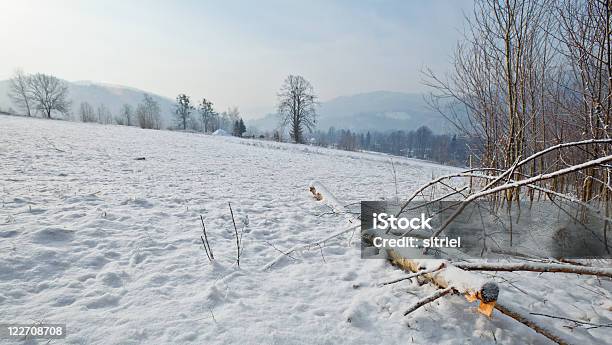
pixel 235 53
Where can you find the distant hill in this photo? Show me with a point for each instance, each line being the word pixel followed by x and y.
pixel 380 110
pixel 112 96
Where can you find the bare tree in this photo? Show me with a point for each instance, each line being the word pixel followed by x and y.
pixel 585 34
pixel 49 94
pixel 119 120
pixel 127 113
pixel 148 113
pixel 19 91
pixel 86 112
pixel 183 109
pixel 208 115
pixel 227 119
pixel 104 114
pixel 296 106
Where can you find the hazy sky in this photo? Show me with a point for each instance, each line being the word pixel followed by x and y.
pixel 235 53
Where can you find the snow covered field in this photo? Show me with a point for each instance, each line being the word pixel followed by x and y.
pixel 110 245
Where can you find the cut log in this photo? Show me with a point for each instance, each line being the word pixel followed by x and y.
pixel 474 287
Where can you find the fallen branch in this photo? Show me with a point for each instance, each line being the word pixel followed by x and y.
pixel 471 174
pixel 514 313
pixel 309 246
pixel 280 251
pixel 320 193
pixel 595 325
pixel 496 179
pixel 414 275
pixel 519 183
pixel 517 254
pixel 439 293
pixel 535 267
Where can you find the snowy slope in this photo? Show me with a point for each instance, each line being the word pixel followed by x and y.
pixel 110 245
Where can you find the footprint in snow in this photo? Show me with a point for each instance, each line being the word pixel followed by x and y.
pixel 104 301
pixel 53 236
pixel 8 234
pixel 111 279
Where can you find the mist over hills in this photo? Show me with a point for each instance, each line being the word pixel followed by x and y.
pixel 378 111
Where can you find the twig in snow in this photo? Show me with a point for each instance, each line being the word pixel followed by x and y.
pixel 213 315
pixel 395 180
pixel 280 251
pixel 595 325
pixel 333 211
pixel 205 248
pixel 322 256
pixel 308 246
pixel 238 238
pixel 570 262
pixel 593 291
pixel 53 145
pixel 439 293
pixel 509 282
pixel 209 252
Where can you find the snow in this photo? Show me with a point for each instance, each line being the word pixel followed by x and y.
pixel 110 245
pixel 220 132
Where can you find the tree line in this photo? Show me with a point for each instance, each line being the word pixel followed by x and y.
pixel 147 114
pixel 421 143
pixel 296 109
pixel 48 96
pixel 202 117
